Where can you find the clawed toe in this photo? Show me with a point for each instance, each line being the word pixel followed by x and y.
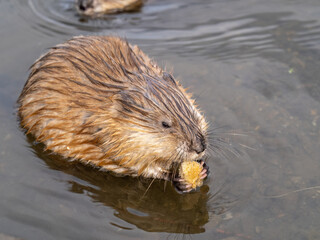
pixel 205 171
pixel 181 186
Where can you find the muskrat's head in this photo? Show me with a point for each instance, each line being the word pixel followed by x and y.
pixel 156 122
pixel 99 7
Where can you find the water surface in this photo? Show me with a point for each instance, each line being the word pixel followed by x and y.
pixel 253 67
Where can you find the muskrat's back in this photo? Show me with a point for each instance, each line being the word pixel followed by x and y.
pixel 104 102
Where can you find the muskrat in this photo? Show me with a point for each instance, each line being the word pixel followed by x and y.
pixel 103 101
pixel 100 7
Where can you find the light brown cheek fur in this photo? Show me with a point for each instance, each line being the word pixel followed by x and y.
pixel 147 154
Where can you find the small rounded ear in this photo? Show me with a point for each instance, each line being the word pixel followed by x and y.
pixel 168 78
pixel 127 98
pixel 131 104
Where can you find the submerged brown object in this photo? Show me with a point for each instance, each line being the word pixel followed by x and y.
pixel 100 7
pixel 104 102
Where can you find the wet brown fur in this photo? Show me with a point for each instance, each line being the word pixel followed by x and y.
pixel 103 101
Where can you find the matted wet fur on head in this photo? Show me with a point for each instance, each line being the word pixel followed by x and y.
pixel 104 102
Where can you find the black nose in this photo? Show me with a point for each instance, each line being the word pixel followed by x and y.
pixel 200 144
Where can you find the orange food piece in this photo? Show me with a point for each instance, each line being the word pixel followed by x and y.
pixel 190 172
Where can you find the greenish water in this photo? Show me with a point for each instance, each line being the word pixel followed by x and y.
pixel 253 67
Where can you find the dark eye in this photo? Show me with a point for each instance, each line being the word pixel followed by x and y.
pixel 165 125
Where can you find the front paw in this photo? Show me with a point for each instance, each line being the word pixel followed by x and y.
pixel 190 176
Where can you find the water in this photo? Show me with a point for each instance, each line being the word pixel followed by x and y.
pixel 253 67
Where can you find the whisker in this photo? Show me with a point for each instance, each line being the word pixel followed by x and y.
pixel 147 189
pixel 246 146
pixel 219 153
pixel 216 128
pixel 232 132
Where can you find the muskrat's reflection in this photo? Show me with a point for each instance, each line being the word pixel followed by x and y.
pixel 151 206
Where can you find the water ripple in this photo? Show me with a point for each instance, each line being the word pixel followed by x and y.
pixel 166 25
